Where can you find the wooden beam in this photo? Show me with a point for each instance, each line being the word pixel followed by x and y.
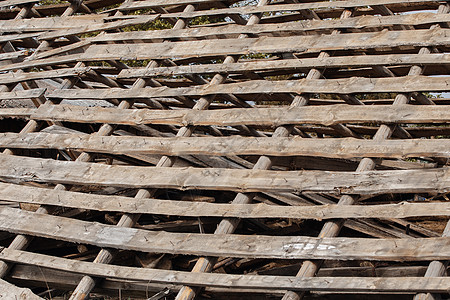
pixel 336 5
pixel 19 95
pixel 22 169
pixel 302 44
pixel 292 65
pixel 8 78
pixel 32 195
pixel 273 116
pixel 279 29
pixel 338 284
pixel 50 35
pixel 16 112
pixel 229 245
pixel 328 86
pixel 207 48
pixel 234 145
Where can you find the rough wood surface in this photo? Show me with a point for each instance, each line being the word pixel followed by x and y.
pixel 292 64
pixel 32 195
pixel 339 86
pixel 352 284
pixel 273 116
pixel 232 245
pixel 301 44
pixel 17 95
pixel 289 28
pixel 23 169
pixel 270 8
pixel 274 146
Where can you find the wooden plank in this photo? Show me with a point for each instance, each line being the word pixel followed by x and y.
pixel 336 5
pixel 45 61
pixel 32 195
pixel 13 55
pixel 17 95
pixel 293 65
pixel 217 280
pixel 48 23
pixel 20 112
pixel 229 245
pixel 288 28
pixel 8 78
pixel 97 27
pixel 15 37
pixel 303 44
pixel 158 3
pixel 235 145
pixel 326 86
pixel 22 169
pixel 10 291
pixel 274 116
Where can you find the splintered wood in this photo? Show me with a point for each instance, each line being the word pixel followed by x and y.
pixel 234 149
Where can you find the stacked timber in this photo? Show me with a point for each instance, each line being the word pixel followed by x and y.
pixel 267 149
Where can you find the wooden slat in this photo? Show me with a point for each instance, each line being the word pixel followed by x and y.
pixel 336 5
pixel 97 27
pixel 232 245
pixel 304 44
pixel 235 145
pixel 263 282
pixel 332 86
pixel 207 48
pixel 17 95
pixel 8 78
pixel 20 112
pixel 48 23
pixel 20 169
pixel 288 28
pixel 159 3
pixel 293 65
pixel 32 195
pixel 274 116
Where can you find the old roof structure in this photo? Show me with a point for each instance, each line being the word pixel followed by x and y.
pixel 228 149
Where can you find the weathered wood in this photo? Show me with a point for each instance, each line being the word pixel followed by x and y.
pixel 8 78
pixel 10 291
pixel 233 245
pixel 22 169
pixel 303 44
pixel 97 27
pixel 20 112
pixel 274 116
pixel 274 146
pixel 17 95
pixel 336 5
pixel 48 23
pixel 158 3
pixel 338 86
pixel 14 37
pixel 379 40
pixel 289 28
pixel 293 65
pixel 32 195
pixel 340 284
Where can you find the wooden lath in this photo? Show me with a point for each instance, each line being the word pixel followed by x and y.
pixel 253 140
